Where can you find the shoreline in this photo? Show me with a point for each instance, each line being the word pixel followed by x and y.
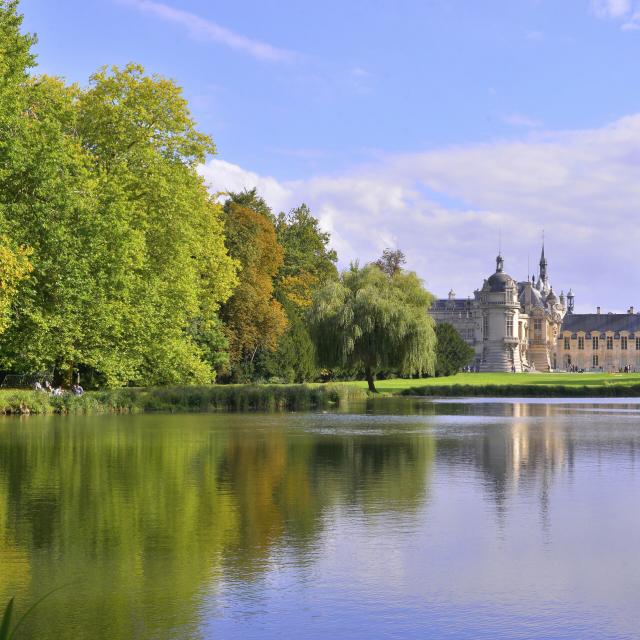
pixel 524 391
pixel 275 397
pixel 180 399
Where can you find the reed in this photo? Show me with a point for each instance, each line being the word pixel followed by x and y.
pixel 274 397
pixel 526 391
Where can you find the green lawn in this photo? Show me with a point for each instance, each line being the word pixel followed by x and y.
pixel 397 385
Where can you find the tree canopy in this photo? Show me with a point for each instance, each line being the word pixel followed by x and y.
pixel 391 261
pixel 116 262
pixel 452 352
pixel 125 245
pixel 371 320
pixel 254 319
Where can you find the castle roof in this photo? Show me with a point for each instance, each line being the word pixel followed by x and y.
pixel 499 282
pixel 452 304
pixel 601 322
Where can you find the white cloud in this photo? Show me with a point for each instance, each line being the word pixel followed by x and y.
pixel 222 176
pixel 446 208
pixel 611 8
pixel 627 11
pixel 209 30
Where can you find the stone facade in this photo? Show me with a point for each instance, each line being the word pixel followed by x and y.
pixel 512 326
pixel 599 342
pixel 524 326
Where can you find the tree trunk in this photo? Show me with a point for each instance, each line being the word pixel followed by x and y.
pixel 369 374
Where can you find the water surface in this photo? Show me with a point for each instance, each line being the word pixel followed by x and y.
pixel 395 519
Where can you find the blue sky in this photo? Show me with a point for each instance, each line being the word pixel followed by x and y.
pixel 430 125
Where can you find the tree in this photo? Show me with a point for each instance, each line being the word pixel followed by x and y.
pixel 375 321
pixel 16 58
pixel 254 319
pixel 391 261
pixel 308 260
pixel 294 359
pixel 308 263
pixel 14 267
pixel 128 254
pixel 452 352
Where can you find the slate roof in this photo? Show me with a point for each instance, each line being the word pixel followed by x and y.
pixel 457 304
pixel 499 281
pixel 601 322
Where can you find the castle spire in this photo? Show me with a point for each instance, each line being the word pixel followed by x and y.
pixel 543 263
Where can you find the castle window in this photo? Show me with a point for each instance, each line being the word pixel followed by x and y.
pixel 595 343
pixel 623 342
pixel 567 344
pixel 485 328
pixel 537 324
pixel 595 361
pixel 637 344
pixel 581 343
pixel 510 326
pixel 609 342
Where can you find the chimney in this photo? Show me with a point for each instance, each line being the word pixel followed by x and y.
pixel 631 310
pixel 598 310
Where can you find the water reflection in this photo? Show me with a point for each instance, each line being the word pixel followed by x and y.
pixel 195 526
pixel 144 513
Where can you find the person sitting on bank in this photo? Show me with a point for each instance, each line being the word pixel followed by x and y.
pixel 77 390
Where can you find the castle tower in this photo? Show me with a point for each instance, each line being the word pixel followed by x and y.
pixel 500 312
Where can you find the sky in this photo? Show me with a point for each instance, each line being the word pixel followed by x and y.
pixel 444 128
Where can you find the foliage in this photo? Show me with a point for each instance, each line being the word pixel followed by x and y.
pixel 16 58
pixel 254 319
pixel 374 321
pixel 308 263
pixel 97 183
pixel 14 267
pixel 391 261
pixel 308 260
pixel 294 359
pixel 452 352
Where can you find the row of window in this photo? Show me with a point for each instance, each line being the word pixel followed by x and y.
pixel 595 343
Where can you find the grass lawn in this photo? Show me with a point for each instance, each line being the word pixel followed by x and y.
pixel 397 385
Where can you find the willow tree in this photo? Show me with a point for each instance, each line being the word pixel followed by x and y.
pixel 371 320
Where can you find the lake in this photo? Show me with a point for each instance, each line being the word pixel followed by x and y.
pixel 396 518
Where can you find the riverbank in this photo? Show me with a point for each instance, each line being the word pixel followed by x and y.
pixel 536 385
pixel 301 397
pixel 295 397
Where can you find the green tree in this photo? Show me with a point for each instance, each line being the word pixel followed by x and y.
pixel 294 359
pixel 308 263
pixel 14 267
pixel 374 321
pixel 452 352
pixel 308 259
pixel 254 319
pixel 128 254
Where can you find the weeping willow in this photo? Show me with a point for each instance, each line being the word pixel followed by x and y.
pixel 373 321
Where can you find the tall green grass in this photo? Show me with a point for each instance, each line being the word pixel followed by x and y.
pixel 604 390
pixel 180 399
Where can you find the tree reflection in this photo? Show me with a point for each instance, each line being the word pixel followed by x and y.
pixel 144 515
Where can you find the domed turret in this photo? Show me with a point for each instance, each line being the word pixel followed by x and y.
pixel 499 281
